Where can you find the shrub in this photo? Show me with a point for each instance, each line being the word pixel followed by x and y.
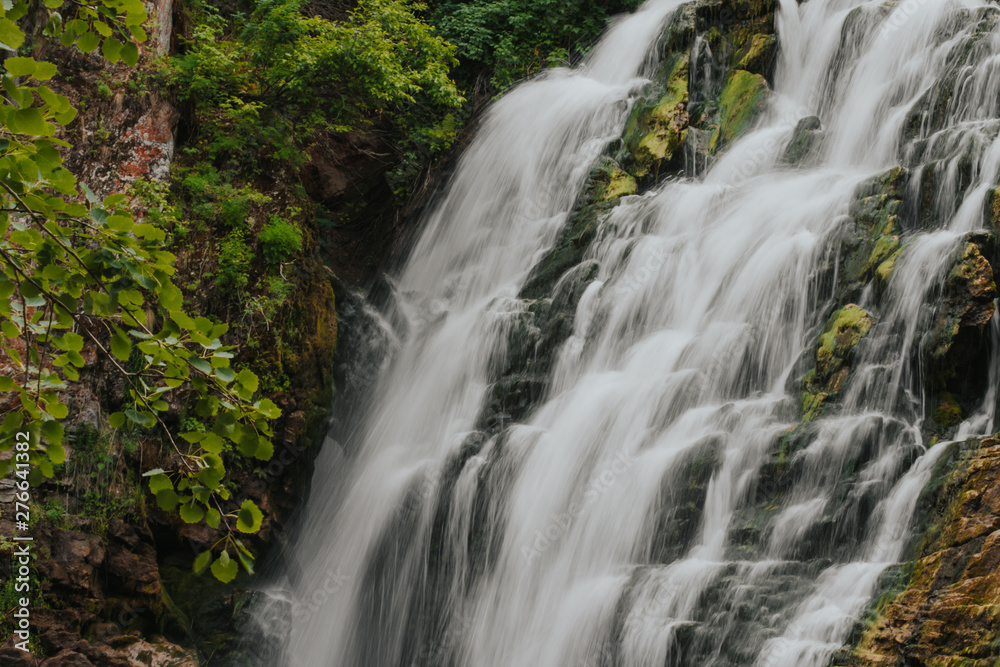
pixel 234 261
pixel 280 240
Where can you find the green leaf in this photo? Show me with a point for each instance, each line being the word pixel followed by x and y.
pixel 213 517
pixel 70 342
pixel 202 561
pixel 265 450
pixel 224 568
pixel 7 384
pixel 159 482
pixel 10 329
pixel 210 477
pixel 30 121
pixel 249 518
pixel 53 432
pixel 130 52
pixel 116 420
pixel 57 410
pixel 112 49
pixel 167 499
pixel 268 408
pixel 246 561
pixel 248 380
pixel 18 66
pixel 56 453
pixel 202 365
pixel 192 512
pixel 88 42
pixel 11 37
pixel 227 376
pixel 121 346
pixel 140 418
pixel 213 443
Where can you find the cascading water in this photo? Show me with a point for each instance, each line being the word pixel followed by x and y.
pixel 609 527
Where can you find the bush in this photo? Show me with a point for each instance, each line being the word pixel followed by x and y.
pixel 234 261
pixel 266 85
pixel 280 240
pixel 511 39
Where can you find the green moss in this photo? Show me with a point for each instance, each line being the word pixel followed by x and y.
pixel 655 133
pixel 885 269
pixel 758 54
pixel 948 412
pixel 742 97
pixel 620 183
pixel 845 329
pixel 884 248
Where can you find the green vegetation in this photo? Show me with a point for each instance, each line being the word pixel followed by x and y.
pixel 281 240
pixel 264 84
pixel 508 40
pixel 79 272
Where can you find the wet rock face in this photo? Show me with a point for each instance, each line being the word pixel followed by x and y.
pixel 842 333
pixel 958 343
pixel 102 591
pixel 806 139
pixel 947 610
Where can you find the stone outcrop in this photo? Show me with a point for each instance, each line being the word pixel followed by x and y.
pixel 945 608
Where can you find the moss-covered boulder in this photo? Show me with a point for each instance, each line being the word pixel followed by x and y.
pixel 958 341
pixel 657 129
pixel 842 333
pixel 805 141
pixel 741 100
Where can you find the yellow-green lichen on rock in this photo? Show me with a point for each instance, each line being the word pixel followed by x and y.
pixel 657 132
pixel 842 333
pixel 743 96
pixel 845 329
pixel 885 269
pixel 758 53
pixel 620 183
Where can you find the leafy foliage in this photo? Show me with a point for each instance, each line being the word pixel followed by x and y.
pixel 511 39
pixel 265 87
pixel 81 276
pixel 281 240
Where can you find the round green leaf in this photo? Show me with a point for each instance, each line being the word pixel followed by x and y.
pixel 192 512
pixel 249 518
pixel 202 561
pixel 224 568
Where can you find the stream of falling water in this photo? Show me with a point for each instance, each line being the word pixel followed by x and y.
pixel 549 536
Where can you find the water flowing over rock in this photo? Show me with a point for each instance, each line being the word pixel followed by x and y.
pixel 683 342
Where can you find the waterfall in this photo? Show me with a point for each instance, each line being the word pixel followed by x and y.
pixel 617 523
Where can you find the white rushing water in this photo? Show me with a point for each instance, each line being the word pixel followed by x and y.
pixel 544 546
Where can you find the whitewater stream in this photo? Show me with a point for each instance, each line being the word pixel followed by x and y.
pixel 601 530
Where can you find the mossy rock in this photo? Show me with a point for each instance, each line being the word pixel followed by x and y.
pixel 805 141
pixel 742 98
pixel 615 183
pixel 605 187
pixel 991 213
pixel 948 412
pixel 843 331
pixel 655 132
pixel 758 55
